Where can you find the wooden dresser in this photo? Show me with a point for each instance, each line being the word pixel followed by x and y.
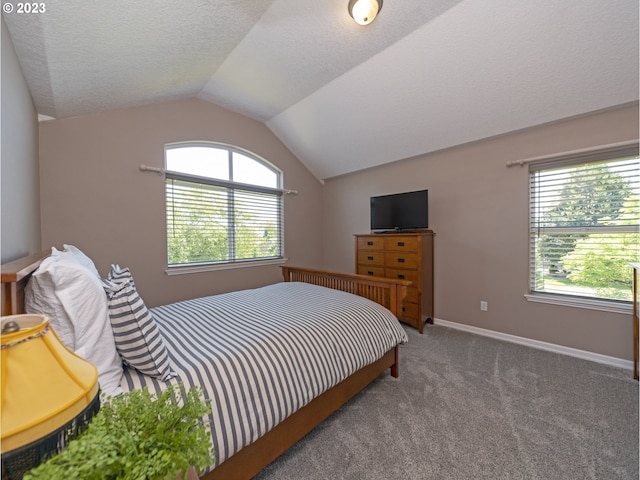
pixel 407 256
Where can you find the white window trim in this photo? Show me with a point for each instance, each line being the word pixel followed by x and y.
pixel 212 267
pixel 226 265
pixel 610 306
pixel 572 158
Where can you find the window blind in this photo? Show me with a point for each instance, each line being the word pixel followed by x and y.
pixel 211 221
pixel 584 217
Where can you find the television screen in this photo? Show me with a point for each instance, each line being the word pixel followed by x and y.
pixel 400 211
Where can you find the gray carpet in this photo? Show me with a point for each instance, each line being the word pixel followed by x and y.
pixel 470 407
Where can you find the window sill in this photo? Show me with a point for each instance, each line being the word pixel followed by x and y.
pixel 610 306
pixel 210 267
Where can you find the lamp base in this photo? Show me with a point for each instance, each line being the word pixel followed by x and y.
pixel 17 462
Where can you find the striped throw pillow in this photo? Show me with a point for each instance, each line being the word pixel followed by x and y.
pixel 136 334
pixel 117 274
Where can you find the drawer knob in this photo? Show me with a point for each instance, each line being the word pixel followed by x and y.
pixel 401 260
pixel 401 244
pixel 401 276
pixel 370 257
pixel 369 272
pixel 369 243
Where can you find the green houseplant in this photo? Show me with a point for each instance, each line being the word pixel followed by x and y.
pixel 137 435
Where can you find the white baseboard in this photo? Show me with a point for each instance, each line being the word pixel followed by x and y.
pixel 551 347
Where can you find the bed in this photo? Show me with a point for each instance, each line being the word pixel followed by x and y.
pixel 245 445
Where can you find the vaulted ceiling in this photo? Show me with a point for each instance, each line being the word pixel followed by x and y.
pixel 424 76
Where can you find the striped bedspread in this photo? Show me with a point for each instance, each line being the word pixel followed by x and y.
pixel 263 354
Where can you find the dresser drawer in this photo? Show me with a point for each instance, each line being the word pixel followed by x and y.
pixel 370 270
pixel 413 295
pixel 370 258
pixel 400 243
pixel 401 274
pixel 410 311
pixel 401 260
pixel 370 243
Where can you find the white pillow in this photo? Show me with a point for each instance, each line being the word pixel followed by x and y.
pixel 40 294
pixel 40 297
pixel 66 289
pixel 76 254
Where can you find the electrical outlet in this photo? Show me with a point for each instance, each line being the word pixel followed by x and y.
pixel 484 306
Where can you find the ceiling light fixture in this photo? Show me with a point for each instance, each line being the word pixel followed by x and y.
pixel 364 11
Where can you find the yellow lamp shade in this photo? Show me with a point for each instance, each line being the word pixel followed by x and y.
pixel 44 385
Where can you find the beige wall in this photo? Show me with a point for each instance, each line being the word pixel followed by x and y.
pixel 478 209
pixel 94 196
pixel 20 199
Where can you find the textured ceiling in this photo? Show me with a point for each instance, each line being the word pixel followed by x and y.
pixel 425 75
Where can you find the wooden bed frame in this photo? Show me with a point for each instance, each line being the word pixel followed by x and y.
pixel 253 458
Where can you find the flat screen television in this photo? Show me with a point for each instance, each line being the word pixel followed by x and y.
pixel 400 212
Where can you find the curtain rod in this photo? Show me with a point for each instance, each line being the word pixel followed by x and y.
pixel 162 171
pixel 147 168
pixel 525 161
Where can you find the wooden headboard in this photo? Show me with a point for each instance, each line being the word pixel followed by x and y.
pixel 14 276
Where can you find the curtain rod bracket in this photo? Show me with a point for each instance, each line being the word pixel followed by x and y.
pixel 147 168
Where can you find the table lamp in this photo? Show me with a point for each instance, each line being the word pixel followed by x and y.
pixel 49 394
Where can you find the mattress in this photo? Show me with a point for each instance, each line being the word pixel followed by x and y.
pixel 262 354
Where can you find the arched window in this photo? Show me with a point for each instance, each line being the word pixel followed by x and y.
pixel 224 205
